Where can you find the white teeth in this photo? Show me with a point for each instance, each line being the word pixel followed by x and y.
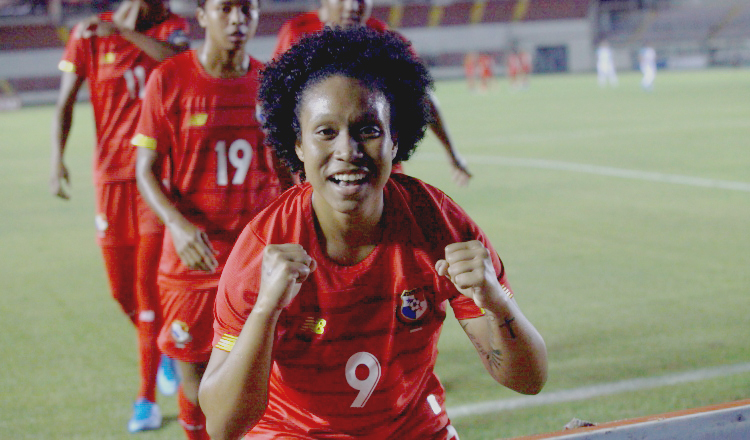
pixel 349 177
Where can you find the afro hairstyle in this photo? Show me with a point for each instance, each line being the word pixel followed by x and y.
pixel 382 60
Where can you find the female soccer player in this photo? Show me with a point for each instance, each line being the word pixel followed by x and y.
pixel 347 13
pixel 115 52
pixel 330 306
pixel 198 116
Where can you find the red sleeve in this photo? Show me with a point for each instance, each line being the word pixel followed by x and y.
pixel 376 24
pixel 76 55
pixel 238 288
pixel 463 306
pixel 463 229
pixel 175 31
pixel 152 125
pixel 285 39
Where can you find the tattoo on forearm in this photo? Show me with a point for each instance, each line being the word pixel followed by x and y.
pixel 508 322
pixel 480 348
pixel 495 358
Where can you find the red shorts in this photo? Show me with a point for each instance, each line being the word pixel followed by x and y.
pixel 187 333
pixel 122 215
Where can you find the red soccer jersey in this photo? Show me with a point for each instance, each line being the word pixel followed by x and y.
pixel 355 350
pixel 117 71
pixel 294 29
pixel 222 174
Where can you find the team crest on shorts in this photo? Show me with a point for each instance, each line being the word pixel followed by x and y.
pixel 100 221
pixel 413 305
pixel 180 333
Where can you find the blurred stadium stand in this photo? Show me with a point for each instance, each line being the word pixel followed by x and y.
pixel 560 34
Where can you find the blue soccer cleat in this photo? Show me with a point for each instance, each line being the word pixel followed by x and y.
pixel 167 379
pixel 146 415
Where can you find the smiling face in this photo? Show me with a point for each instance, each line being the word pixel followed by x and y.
pixel 229 24
pixel 347 12
pixel 346 145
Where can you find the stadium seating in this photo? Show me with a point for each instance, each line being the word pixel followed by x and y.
pixel 693 23
pixel 414 15
pixel 24 37
pixel 498 11
pixel 737 23
pixel 688 23
pixel 557 10
pixel 457 14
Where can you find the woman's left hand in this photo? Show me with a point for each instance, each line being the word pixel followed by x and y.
pixel 469 267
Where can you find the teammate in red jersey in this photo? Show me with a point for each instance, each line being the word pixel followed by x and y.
pixel 518 64
pixel 470 69
pixel 199 115
pixel 345 13
pixel 485 65
pixel 115 53
pixel 331 303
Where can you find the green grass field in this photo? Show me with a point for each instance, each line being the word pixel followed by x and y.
pixel 625 277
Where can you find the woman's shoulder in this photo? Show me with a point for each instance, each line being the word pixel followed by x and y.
pixel 182 62
pixel 418 193
pixel 429 209
pixel 284 216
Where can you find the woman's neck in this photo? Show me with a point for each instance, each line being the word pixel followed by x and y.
pixel 348 238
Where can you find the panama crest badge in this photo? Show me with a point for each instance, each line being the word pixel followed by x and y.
pixel 413 305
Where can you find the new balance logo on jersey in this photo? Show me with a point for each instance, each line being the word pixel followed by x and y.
pixel 310 328
pixel 312 325
pixel 413 305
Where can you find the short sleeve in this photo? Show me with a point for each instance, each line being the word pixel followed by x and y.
pixel 238 289
pixel 464 229
pixel 153 117
pixel 76 55
pixel 284 41
pixel 176 33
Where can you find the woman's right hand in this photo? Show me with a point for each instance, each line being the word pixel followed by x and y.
pixel 285 267
pixel 193 246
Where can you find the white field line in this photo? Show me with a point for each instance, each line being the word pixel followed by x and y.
pixel 599 390
pixel 605 133
pixel 595 169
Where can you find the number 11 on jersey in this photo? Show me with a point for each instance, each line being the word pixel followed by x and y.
pixel 135 80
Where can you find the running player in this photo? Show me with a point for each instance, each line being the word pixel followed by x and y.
pixel 647 64
pixel 470 69
pixel 606 73
pixel 485 66
pixel 115 53
pixel 331 303
pixel 345 13
pixel 199 115
pixel 518 64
